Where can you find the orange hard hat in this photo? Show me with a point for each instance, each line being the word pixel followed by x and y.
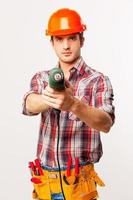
pixel 65 21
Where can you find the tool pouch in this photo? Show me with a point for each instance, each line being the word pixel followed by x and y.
pixel 81 186
pixel 42 189
pixel 84 188
pixel 45 185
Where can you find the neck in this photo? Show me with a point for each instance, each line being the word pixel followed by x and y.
pixel 67 66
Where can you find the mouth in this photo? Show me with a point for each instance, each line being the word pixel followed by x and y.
pixel 66 53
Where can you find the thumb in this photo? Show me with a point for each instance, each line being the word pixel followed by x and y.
pixel 67 84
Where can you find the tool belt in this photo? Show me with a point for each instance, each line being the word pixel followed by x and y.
pixel 79 186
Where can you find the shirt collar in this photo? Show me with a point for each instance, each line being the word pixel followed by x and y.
pixel 79 65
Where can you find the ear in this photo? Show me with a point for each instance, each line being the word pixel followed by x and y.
pixel 52 42
pixel 82 42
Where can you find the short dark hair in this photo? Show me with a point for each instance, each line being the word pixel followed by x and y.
pixel 81 35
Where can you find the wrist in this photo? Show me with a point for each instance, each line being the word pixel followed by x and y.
pixel 75 105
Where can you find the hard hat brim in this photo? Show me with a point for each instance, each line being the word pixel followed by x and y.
pixel 66 31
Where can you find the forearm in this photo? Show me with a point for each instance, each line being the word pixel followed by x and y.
pixel 93 117
pixel 35 103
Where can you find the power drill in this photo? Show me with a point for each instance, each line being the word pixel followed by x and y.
pixel 57 82
pixel 56 79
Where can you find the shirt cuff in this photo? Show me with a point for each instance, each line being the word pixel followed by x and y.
pixel 24 110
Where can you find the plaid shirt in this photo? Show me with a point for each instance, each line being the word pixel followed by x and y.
pixel 76 139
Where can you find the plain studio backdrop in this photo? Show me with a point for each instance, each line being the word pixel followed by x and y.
pixel 24 50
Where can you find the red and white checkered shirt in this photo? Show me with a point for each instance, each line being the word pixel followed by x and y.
pixel 76 139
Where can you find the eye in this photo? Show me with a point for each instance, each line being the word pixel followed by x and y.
pixel 58 39
pixel 73 38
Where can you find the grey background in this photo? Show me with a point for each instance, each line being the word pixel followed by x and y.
pixel 25 50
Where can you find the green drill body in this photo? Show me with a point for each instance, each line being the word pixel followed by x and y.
pixel 56 79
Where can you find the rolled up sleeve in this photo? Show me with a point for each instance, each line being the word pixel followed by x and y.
pixel 36 87
pixel 105 96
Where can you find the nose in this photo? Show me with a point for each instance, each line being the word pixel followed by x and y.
pixel 66 44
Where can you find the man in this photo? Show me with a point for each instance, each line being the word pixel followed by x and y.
pixel 69 141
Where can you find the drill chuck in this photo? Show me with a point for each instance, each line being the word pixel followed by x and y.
pixel 56 79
